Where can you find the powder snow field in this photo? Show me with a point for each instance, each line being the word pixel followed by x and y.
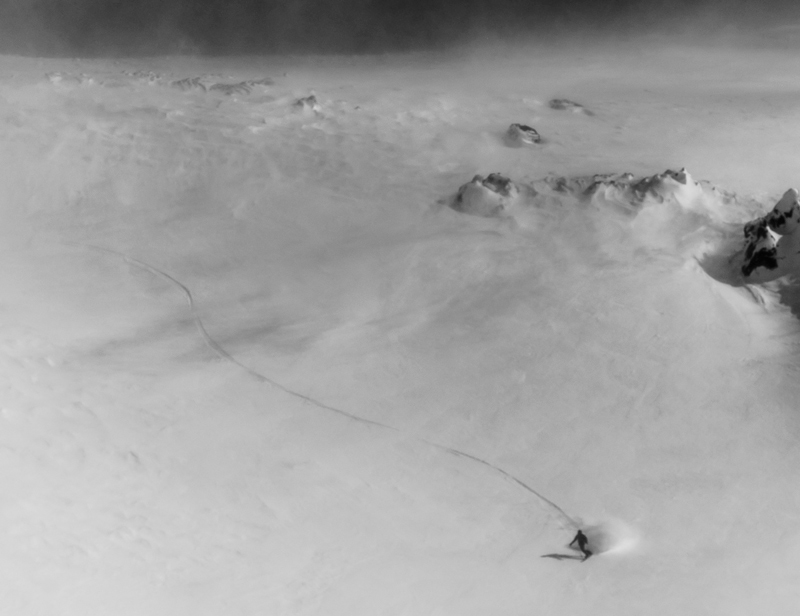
pixel 252 363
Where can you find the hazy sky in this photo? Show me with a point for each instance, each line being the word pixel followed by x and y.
pixel 101 27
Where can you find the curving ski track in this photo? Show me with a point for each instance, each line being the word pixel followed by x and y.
pixel 223 354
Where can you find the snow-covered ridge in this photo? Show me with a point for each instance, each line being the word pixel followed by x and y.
pixel 497 195
pixel 765 249
pixel 204 83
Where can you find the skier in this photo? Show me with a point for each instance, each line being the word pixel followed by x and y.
pixel 582 541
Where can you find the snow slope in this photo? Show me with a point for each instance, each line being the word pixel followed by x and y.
pixel 253 363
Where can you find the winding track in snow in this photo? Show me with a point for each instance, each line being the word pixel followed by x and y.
pixel 223 354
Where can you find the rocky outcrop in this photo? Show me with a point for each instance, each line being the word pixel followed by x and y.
pixel 496 195
pixel 772 243
pixel 486 196
pixel 519 135
pixel 307 103
pixel 629 188
pixel 564 104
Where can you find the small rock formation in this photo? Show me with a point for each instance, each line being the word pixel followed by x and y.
pixel 771 242
pixel 264 81
pixel 519 135
pixel 669 183
pixel 307 103
pixel 488 196
pixel 584 185
pixel 564 104
pixel 189 83
pixel 228 89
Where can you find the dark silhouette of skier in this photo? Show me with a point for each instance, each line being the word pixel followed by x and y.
pixel 582 542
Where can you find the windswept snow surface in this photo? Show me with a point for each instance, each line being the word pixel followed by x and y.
pixel 253 364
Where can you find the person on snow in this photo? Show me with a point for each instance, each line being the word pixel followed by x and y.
pixel 582 543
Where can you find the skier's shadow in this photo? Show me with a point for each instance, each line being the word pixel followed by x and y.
pixel 562 556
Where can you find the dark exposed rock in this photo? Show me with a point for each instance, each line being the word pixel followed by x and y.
pixel 500 184
pixel 583 185
pixel 564 104
pixel 521 134
pixel 206 85
pixel 264 81
pixel 307 103
pixel 760 247
pixel 189 83
pixel 229 89
pixel 770 242
pixel 785 216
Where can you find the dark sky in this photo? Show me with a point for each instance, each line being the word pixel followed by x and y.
pixel 104 27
